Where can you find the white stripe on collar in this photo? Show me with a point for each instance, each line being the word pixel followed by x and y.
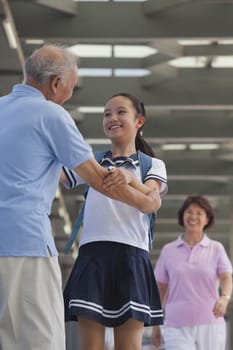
pixel 119 161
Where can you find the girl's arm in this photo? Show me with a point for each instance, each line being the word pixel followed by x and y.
pixel 63 178
pixel 146 196
pixel 116 186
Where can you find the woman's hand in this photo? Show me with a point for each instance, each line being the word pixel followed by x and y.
pixel 220 306
pixel 156 336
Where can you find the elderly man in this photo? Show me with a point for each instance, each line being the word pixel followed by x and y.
pixel 37 137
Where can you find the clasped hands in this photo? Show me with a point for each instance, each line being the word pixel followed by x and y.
pixel 116 177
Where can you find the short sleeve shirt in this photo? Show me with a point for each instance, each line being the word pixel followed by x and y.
pixel 106 219
pixel 192 277
pixel 36 137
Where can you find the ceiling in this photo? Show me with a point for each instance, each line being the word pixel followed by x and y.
pixel 189 109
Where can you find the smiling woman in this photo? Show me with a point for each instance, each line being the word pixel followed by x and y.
pixel 195 215
pixel 190 272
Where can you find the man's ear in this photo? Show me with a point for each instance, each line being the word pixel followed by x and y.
pixel 54 82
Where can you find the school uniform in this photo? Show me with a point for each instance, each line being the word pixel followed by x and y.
pixel 112 279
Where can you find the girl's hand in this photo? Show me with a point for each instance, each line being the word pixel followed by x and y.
pixel 220 306
pixel 116 178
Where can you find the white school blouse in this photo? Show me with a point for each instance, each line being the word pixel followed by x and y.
pixel 106 219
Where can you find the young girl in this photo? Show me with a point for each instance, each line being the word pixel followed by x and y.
pixel 112 282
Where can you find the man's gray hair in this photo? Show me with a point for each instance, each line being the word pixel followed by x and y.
pixel 49 61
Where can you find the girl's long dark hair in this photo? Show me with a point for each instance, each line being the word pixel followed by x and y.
pixel 140 143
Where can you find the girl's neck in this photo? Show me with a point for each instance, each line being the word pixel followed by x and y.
pixel 122 150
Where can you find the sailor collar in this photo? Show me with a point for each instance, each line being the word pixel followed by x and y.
pixel 132 160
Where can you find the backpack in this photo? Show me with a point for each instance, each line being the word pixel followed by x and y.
pixel 145 163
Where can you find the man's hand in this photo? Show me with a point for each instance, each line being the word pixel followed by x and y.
pixel 116 178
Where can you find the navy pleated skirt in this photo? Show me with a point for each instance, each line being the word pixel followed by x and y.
pixel 110 283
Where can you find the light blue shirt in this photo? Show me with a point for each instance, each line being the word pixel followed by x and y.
pixel 36 137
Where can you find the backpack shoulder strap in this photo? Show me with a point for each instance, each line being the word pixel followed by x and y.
pixel 100 155
pixel 75 230
pixel 145 163
pixel 79 220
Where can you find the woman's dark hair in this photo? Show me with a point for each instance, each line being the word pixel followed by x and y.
pixel 140 143
pixel 201 202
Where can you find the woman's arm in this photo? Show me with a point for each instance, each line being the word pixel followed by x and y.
pixel 156 330
pixel 163 291
pixel 222 302
pixel 226 285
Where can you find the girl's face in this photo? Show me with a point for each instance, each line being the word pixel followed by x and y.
pixel 120 119
pixel 195 218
